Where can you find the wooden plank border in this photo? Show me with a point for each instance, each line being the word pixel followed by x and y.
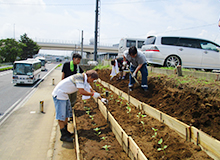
pixel 209 144
pixel 127 143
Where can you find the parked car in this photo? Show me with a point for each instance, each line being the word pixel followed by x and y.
pixel 189 52
pixel 92 63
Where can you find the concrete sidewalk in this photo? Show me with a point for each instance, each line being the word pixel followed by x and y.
pixel 28 134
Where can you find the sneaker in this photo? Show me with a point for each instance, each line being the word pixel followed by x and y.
pixel 123 77
pixel 145 89
pixel 130 88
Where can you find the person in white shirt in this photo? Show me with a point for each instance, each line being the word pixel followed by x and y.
pixel 77 82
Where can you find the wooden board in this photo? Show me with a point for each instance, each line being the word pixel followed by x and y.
pixel 210 145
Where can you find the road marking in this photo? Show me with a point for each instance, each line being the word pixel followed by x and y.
pixel 20 102
pixel 5 72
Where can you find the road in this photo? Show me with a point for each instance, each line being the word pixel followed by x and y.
pixel 11 95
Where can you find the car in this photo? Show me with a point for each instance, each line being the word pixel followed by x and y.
pixel 170 51
pixel 92 63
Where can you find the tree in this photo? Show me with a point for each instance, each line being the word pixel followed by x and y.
pixel 10 49
pixel 31 48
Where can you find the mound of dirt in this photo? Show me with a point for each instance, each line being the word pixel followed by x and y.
pixel 196 104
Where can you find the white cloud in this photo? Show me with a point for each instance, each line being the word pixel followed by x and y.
pixel 45 19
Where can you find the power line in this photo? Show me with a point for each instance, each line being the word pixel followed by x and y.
pixel 77 4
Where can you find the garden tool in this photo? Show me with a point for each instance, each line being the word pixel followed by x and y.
pixel 134 78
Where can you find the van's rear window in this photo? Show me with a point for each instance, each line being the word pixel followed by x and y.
pixel 169 40
pixel 150 40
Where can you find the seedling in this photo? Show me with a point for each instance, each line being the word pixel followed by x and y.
pixel 84 101
pixel 106 147
pixel 118 101
pixel 139 116
pixel 155 132
pixel 128 110
pixel 142 122
pixel 163 147
pixel 97 131
pixel 111 97
pixel 103 138
pixel 92 117
pixel 87 108
pixel 88 112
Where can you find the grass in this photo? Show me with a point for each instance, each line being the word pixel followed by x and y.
pixel 5 69
pixel 101 67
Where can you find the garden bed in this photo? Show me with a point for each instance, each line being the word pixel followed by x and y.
pixel 96 140
pixel 156 140
pixel 192 103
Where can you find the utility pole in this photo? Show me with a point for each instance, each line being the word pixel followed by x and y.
pixel 96 28
pixel 82 45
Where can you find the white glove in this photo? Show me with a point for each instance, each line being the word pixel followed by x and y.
pixel 124 63
pixel 104 100
pixel 96 95
pixel 133 74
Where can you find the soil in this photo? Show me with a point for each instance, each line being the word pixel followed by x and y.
pixel 141 129
pixel 195 103
pixel 91 142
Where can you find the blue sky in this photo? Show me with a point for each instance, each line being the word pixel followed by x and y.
pixel 53 20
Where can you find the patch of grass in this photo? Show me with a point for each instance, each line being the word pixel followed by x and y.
pixel 5 69
pixel 101 67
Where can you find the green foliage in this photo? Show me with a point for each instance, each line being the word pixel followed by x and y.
pixel 139 116
pixel 103 138
pixel 4 69
pixel 106 147
pixel 142 122
pixel 162 147
pixel 92 117
pixel 98 132
pixel 101 67
pixel 30 48
pixel 10 49
pixel 155 132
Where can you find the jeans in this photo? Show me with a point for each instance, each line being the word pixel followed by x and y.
pixel 144 73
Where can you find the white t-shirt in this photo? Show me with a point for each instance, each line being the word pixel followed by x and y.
pixel 67 86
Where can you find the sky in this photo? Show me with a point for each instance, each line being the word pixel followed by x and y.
pixel 63 21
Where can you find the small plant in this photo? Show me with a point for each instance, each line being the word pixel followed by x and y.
pixel 106 147
pixel 103 138
pixel 121 103
pixel 139 116
pixel 162 147
pixel 128 110
pixel 98 132
pixel 84 101
pixel 87 108
pixel 92 117
pixel 88 112
pixel 117 101
pixel 155 132
pixel 142 122
pixel 111 97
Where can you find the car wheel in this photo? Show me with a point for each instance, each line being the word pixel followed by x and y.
pixel 208 70
pixel 172 61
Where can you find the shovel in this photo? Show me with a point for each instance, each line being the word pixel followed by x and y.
pixel 134 78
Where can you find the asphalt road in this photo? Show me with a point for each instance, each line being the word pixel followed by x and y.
pixel 11 95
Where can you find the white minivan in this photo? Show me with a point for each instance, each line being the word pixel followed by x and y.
pixel 126 43
pixel 172 51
